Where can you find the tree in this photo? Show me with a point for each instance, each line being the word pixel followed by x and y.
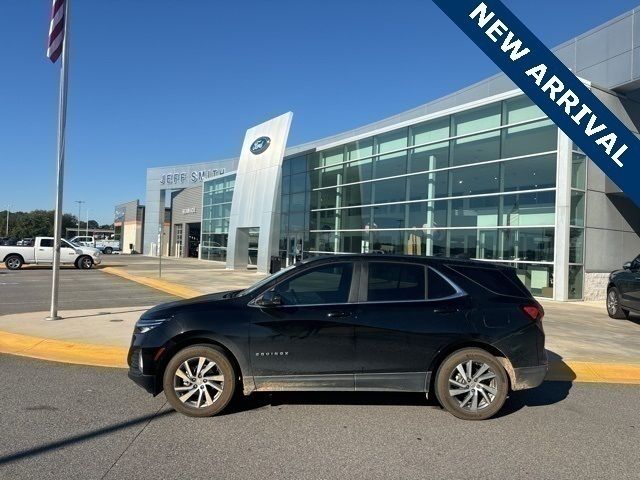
pixel 37 223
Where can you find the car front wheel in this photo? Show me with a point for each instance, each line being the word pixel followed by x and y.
pixel 199 381
pixel 84 263
pixel 614 309
pixel 471 384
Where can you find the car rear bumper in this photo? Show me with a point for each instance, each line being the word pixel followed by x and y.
pixel 529 377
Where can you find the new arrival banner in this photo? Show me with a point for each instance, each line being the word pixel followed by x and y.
pixel 552 86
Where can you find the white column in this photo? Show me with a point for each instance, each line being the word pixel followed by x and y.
pixel 563 212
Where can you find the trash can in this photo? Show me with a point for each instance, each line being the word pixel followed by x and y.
pixel 276 264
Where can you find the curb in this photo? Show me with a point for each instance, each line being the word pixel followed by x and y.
pixel 116 357
pixel 63 351
pixel 162 285
pixel 594 372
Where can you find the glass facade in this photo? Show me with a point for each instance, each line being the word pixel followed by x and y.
pixel 216 210
pixel 577 222
pixel 476 184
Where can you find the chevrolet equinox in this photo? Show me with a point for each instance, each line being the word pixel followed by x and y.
pixel 468 331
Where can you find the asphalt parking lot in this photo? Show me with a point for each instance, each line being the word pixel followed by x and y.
pixel 57 417
pixel 29 290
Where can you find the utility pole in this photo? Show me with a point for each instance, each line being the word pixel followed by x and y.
pixel 79 202
pixel 8 208
pixel 86 231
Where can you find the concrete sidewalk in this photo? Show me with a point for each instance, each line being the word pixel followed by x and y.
pixel 584 344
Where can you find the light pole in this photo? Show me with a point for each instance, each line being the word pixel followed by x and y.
pixel 8 208
pixel 79 202
pixel 86 231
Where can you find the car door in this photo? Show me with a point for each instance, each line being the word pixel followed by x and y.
pixel 307 342
pixel 44 251
pixel 408 312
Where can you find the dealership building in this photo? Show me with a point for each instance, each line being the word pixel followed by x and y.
pixel 481 173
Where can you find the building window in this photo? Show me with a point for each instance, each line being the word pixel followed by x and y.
pixel 217 194
pixel 479 184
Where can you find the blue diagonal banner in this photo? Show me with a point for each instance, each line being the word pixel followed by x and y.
pixel 552 86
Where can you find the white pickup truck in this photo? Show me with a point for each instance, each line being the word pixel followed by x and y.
pixel 42 253
pixel 105 246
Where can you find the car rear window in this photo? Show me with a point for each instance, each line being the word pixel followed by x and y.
pixel 493 279
pixel 46 242
pixel 395 282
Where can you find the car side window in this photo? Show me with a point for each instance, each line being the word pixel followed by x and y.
pixel 438 286
pixel 322 285
pixel 46 242
pixel 388 282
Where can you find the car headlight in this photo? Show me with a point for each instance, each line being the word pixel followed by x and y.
pixel 144 325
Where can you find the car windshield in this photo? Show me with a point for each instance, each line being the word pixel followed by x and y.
pixel 264 281
pixel 67 243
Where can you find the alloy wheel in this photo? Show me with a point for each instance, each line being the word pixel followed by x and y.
pixel 198 382
pixel 612 302
pixel 13 263
pixel 473 385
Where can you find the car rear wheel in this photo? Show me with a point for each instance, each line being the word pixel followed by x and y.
pixel 199 381
pixel 614 309
pixel 108 251
pixel 13 262
pixel 471 384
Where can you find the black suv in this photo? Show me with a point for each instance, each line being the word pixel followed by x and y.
pixel 469 331
pixel 623 290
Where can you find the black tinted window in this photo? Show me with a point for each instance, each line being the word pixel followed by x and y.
pixel 46 242
pixel 491 279
pixel 326 284
pixel 395 281
pixel 437 286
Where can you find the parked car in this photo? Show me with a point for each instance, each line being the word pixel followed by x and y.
pixel 42 253
pixel 25 242
pixel 467 331
pixel 104 245
pixel 623 290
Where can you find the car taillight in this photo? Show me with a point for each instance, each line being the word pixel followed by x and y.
pixel 533 311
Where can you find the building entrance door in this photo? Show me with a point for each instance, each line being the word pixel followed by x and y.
pixel 194 240
pixel 295 248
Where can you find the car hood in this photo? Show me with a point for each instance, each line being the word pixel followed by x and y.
pixel 165 310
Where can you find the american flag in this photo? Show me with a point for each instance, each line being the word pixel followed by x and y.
pixel 56 30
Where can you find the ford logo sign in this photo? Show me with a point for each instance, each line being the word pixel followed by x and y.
pixel 260 145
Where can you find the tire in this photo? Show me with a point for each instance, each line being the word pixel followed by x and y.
pixel 84 263
pixel 614 309
pixel 13 262
pixel 208 397
pixel 108 251
pixel 479 398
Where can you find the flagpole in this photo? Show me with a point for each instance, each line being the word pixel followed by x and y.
pixel 62 125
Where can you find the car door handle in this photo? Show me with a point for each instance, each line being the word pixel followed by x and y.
pixel 338 314
pixel 445 310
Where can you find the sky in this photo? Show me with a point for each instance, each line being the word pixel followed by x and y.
pixel 165 82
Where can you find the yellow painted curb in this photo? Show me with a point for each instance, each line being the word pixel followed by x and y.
pixel 63 351
pixel 593 372
pixel 162 285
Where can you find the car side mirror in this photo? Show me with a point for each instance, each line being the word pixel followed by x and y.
pixel 269 299
pixel 627 266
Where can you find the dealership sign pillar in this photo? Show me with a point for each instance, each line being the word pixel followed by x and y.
pixel 257 192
